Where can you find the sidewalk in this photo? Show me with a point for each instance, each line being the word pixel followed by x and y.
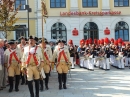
pixel 84 83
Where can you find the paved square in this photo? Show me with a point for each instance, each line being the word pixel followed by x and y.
pixel 84 83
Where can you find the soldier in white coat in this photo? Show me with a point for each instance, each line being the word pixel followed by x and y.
pixel 13 65
pixel 20 48
pixel 63 63
pixel 31 62
pixel 47 53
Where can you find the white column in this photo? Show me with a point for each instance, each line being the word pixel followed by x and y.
pixel 39 4
pixel 105 5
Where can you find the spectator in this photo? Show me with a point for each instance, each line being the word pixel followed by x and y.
pixel 1 63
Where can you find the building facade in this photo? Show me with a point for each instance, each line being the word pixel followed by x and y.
pixel 23 20
pixel 94 19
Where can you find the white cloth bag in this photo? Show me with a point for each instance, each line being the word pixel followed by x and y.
pixel 42 73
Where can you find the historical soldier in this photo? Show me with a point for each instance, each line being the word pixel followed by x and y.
pixel 81 52
pixel 47 53
pixel 107 58
pixel 120 58
pixel 63 63
pixel 20 48
pixel 13 65
pixel 86 55
pixel 107 54
pixel 72 52
pixel 93 57
pixel 128 54
pixel 31 61
pixel 124 60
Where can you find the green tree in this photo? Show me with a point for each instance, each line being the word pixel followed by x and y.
pixel 8 16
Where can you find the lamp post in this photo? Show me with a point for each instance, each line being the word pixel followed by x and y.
pixel 28 10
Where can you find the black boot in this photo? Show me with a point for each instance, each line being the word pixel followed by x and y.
pixel 37 87
pixel 10 83
pixel 23 79
pixel 26 80
pixel 46 80
pixel 41 85
pixel 64 82
pixel 60 81
pixel 30 86
pixel 17 78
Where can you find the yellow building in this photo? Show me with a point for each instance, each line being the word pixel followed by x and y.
pixel 23 20
pixel 90 18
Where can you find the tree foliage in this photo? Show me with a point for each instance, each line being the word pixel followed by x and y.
pixel 8 16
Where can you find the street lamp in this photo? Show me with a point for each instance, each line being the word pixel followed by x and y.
pixel 28 10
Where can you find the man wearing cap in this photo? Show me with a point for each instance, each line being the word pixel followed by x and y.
pixel 72 52
pixel 63 63
pixel 31 61
pixel 20 48
pixel 47 53
pixel 12 63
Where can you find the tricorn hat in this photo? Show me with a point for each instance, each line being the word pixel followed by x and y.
pixel 43 39
pixel 22 37
pixel 12 41
pixel 60 40
pixel 33 37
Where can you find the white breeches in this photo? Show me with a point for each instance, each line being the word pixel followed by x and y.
pixel 72 61
pixel 86 64
pixel 122 65
pixel 90 64
pixel 128 61
pixel 106 64
pixel 95 60
pixel 81 62
pixel 102 63
pixel 119 62
pixel 112 59
pixel 98 63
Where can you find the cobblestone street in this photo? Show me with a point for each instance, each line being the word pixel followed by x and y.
pixel 84 83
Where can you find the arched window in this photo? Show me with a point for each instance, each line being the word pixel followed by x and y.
pixel 58 30
pixel 90 30
pixel 122 31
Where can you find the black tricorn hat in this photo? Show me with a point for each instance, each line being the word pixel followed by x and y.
pixel 44 40
pixel 60 40
pixel 26 39
pixel 22 37
pixel 12 41
pixel 33 37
